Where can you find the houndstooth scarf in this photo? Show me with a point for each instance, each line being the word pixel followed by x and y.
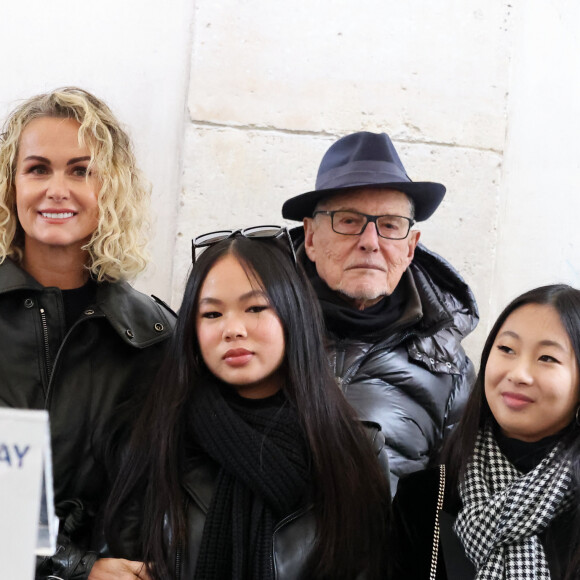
pixel 504 511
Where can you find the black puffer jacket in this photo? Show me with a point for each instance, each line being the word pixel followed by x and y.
pixel 80 376
pixel 414 380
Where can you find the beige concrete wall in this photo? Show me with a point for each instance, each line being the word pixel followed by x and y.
pixel 539 239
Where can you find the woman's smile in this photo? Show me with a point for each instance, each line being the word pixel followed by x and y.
pixel 55 216
pixel 56 194
pixel 516 401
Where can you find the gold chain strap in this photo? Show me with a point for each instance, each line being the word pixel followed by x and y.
pixel 440 496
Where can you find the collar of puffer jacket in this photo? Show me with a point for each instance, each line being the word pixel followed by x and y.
pixel 444 297
pixel 138 319
pixel 443 292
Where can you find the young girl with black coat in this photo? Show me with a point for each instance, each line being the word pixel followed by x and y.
pixel 247 461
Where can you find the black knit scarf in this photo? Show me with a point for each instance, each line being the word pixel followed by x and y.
pixel 264 476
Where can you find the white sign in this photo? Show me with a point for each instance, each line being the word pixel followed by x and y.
pixel 28 525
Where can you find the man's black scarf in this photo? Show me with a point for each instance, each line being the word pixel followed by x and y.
pixel 264 477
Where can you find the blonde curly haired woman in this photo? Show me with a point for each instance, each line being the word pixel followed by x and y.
pixel 76 338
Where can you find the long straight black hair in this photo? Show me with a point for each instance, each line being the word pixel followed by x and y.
pixel 461 443
pixel 351 494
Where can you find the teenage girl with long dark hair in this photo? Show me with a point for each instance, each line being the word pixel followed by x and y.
pixel 504 503
pixel 247 460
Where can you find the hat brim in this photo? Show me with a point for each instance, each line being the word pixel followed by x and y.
pixel 426 197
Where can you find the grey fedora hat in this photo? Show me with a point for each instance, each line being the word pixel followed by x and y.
pixel 364 160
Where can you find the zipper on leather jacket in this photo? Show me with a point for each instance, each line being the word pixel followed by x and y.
pixel 179 548
pixel 46 349
pixel 53 367
pixel 178 563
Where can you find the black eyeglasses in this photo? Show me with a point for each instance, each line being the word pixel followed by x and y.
pixel 255 232
pixel 353 223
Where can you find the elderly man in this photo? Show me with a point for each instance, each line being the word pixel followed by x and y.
pixel 395 312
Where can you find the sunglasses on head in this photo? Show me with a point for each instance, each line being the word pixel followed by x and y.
pixel 254 232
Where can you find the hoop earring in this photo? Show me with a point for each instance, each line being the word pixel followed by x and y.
pixel 578 416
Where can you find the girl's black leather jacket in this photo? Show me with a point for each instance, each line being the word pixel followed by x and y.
pixel 292 539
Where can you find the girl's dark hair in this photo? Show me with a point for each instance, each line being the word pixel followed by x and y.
pixel 460 444
pixel 351 494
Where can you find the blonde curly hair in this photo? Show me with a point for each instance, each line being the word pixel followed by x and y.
pixel 117 247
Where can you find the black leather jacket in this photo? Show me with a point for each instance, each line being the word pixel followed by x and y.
pixel 292 539
pixel 415 379
pixel 80 376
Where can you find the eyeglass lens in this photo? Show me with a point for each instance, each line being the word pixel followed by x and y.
pixel 262 232
pixel 388 226
pixel 211 238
